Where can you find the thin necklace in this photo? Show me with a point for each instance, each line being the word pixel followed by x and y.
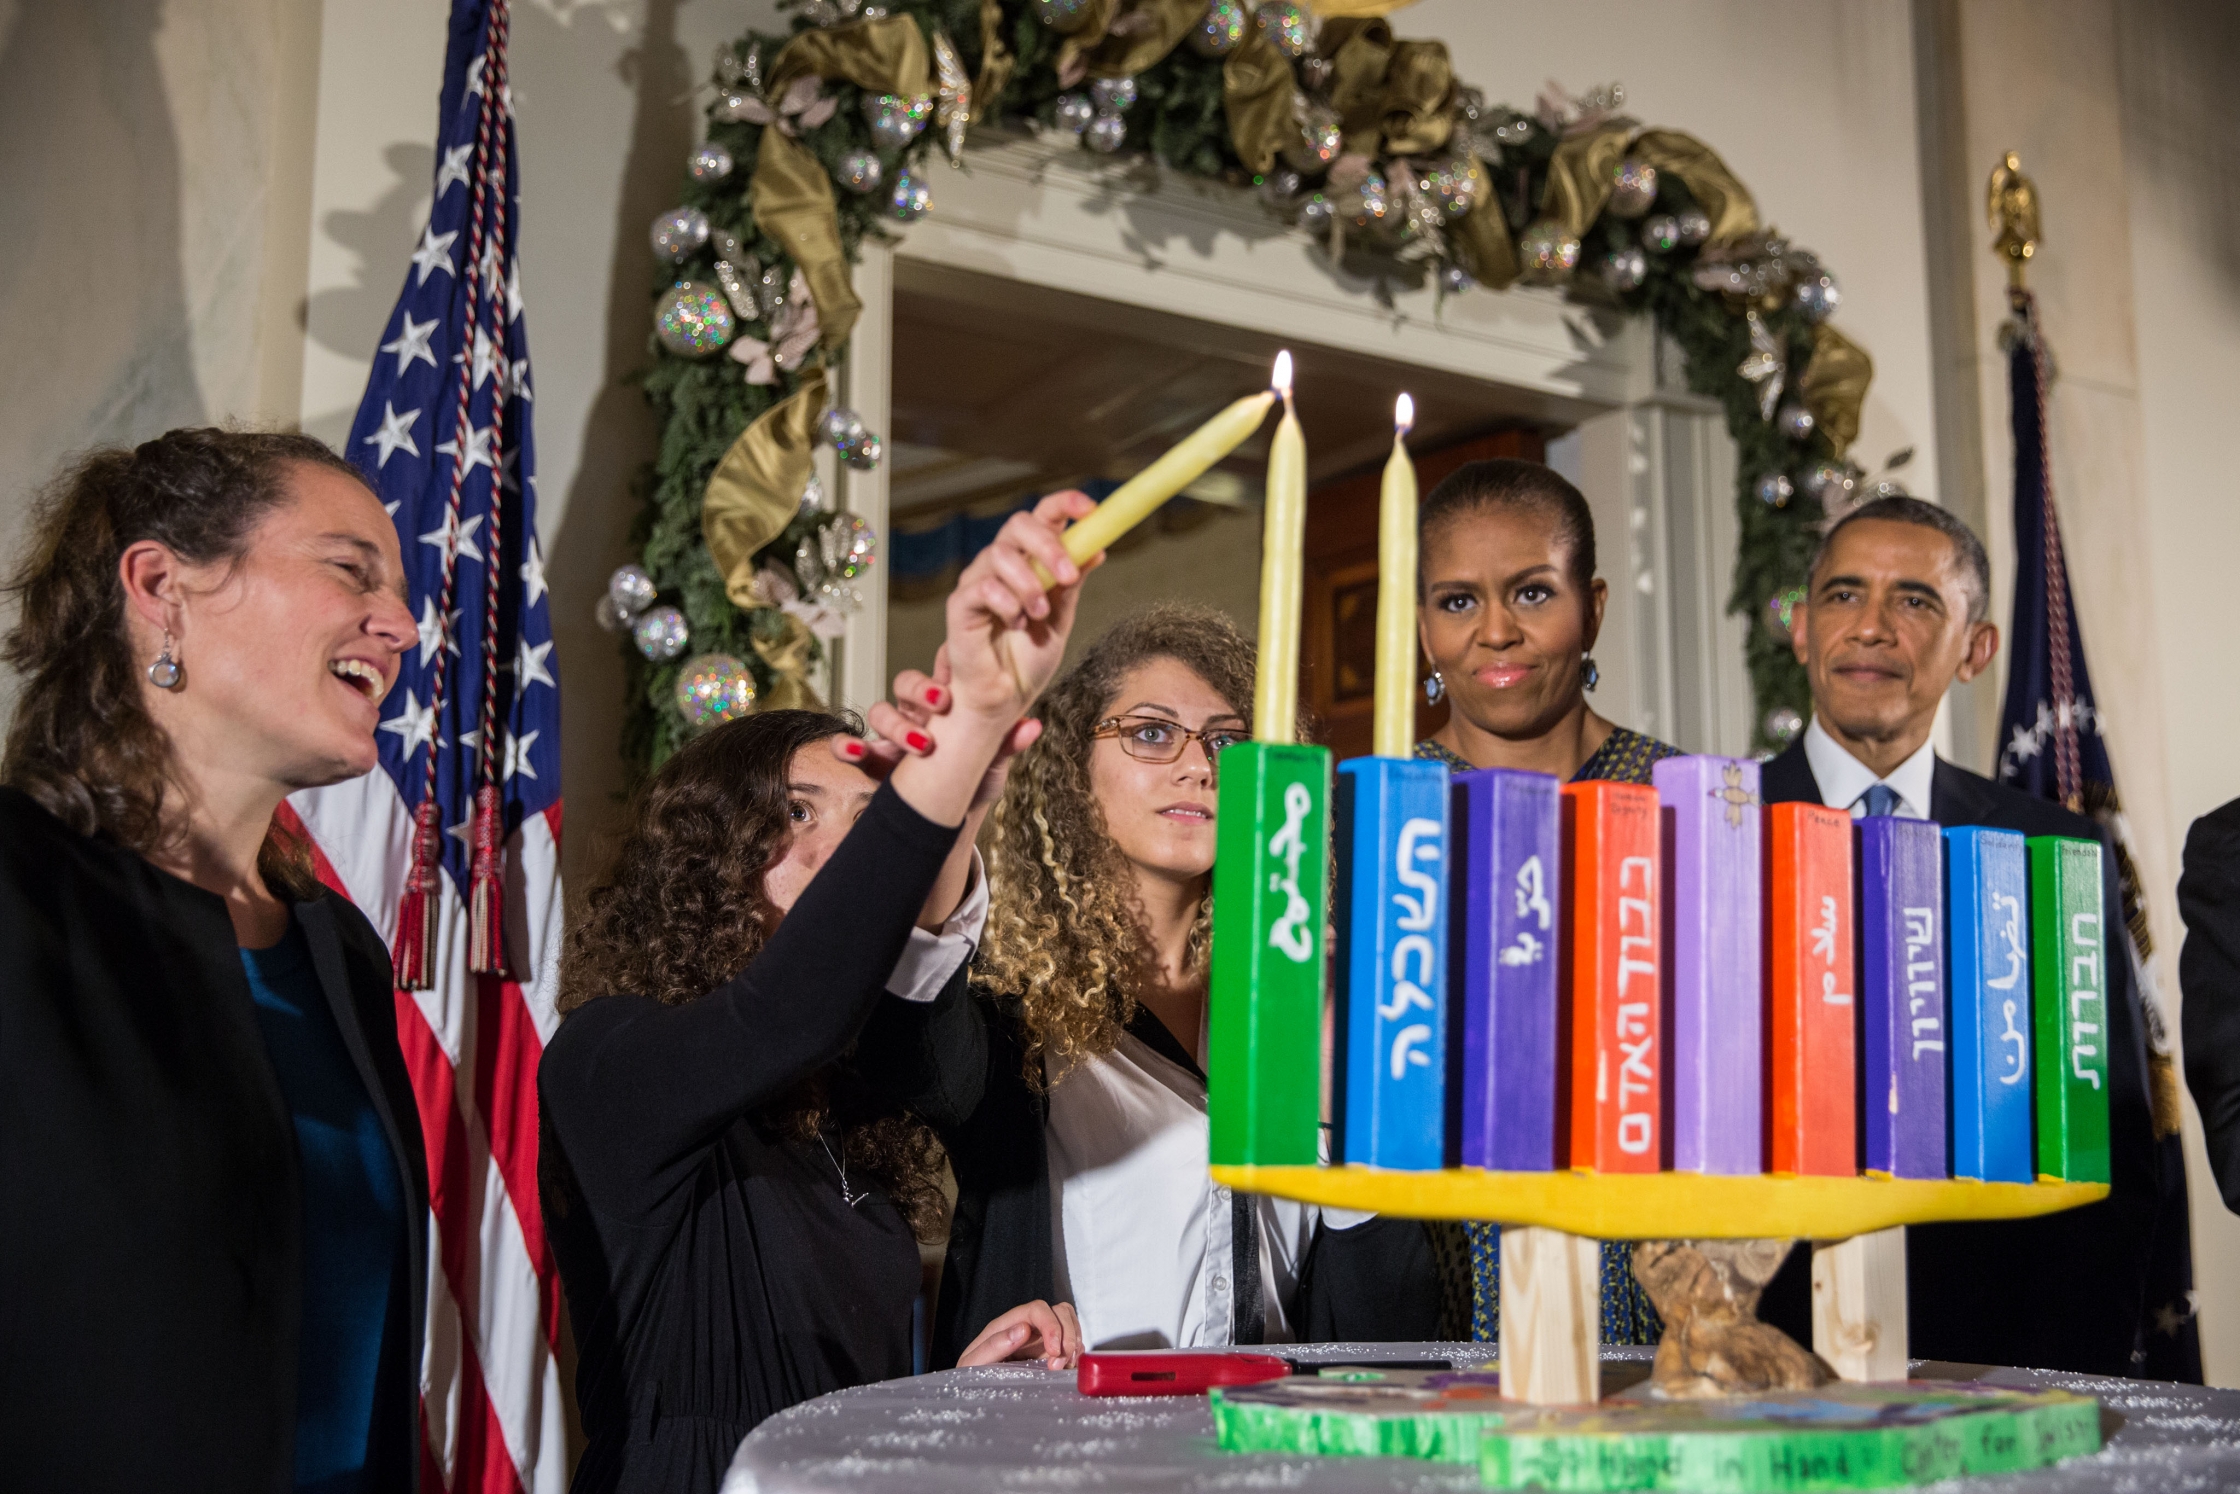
pixel 846 1197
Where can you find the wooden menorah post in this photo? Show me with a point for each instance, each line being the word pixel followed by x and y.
pixel 1859 1305
pixel 1551 1317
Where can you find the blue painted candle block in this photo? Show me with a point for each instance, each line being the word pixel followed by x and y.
pixel 1902 994
pixel 1987 902
pixel 1508 885
pixel 1714 841
pixel 1392 962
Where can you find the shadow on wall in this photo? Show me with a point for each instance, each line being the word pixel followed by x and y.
pixel 349 319
pixel 619 436
pixel 89 160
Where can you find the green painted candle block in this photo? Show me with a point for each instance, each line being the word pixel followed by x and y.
pixel 1839 1437
pixel 1270 906
pixel 2070 959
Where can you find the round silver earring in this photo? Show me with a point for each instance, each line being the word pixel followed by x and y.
pixel 1592 675
pixel 165 673
pixel 1434 686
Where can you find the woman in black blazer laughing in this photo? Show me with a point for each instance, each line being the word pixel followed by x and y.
pixel 212 1190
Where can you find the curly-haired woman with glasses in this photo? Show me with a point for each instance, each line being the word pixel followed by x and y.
pixel 1066 1078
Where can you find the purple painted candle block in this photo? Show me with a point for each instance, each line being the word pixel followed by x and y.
pixel 1902 996
pixel 1714 838
pixel 1508 849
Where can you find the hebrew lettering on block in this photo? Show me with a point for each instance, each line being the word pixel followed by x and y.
pixel 1814 972
pixel 1902 996
pixel 2074 949
pixel 1987 899
pixel 1393 858
pixel 1611 976
pixel 1270 902
pixel 1714 909
pixel 1507 890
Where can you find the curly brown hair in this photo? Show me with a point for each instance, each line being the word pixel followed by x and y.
pixel 682 909
pixel 82 743
pixel 1065 934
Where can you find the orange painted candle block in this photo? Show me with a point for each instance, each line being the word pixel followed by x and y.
pixel 1812 976
pixel 1612 977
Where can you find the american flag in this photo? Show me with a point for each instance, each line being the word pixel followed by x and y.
pixel 443 434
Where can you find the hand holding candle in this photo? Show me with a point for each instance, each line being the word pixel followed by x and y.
pixel 1133 501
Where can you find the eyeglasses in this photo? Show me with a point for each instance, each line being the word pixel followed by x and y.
pixel 1154 739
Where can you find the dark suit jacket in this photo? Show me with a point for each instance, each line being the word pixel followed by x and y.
pixel 151 1232
pixel 2209 978
pixel 2066 1291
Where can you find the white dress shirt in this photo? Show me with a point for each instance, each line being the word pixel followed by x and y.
pixel 1844 780
pixel 930 959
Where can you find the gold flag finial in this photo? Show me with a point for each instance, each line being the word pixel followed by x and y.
pixel 2012 207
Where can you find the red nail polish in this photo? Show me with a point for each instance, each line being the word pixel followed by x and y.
pixel 934 695
pixel 853 749
pixel 917 741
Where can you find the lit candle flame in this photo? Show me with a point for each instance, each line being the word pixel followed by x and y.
pixel 1404 414
pixel 1281 382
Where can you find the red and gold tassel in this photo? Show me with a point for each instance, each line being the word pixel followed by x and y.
pixel 486 916
pixel 416 910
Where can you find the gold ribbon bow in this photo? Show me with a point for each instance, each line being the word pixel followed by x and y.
pixel 1260 100
pixel 788 654
pixel 1392 97
pixel 791 195
pixel 1723 199
pixel 756 489
pixel 1834 385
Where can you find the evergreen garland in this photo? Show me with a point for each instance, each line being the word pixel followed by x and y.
pixel 1178 118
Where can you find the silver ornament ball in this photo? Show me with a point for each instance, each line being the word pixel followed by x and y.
pixel 863 455
pixel 1220 29
pixel 1371 203
pixel 712 689
pixel 1316 213
pixel 693 319
pixel 678 234
pixel 1661 233
pixel 1321 138
pixel 1625 268
pixel 1549 253
pixel 1782 725
pixel 1694 226
pixel 661 633
pixel 1106 133
pixel 860 171
pixel 1775 490
pixel 1818 296
pixel 1285 23
pixel 1633 188
pixel 1074 111
pixel 840 424
pixel 631 589
pixel 1794 420
pixel 1112 94
pixel 910 198
pixel 609 617
pixel 894 119
pixel 708 163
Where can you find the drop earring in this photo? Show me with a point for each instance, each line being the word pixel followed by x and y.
pixel 1434 686
pixel 1591 676
pixel 165 672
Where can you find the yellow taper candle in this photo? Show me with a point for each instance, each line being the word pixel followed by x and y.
pixel 1132 502
pixel 1283 529
pixel 1392 732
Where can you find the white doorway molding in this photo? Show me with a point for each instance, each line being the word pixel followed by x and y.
pixel 1656 464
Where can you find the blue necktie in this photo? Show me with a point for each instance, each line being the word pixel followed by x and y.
pixel 1881 799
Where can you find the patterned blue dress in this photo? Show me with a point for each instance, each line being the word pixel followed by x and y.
pixel 1627 1316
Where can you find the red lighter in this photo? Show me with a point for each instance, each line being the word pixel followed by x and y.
pixel 1166 1372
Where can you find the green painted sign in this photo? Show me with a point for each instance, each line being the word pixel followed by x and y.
pixel 2072 954
pixel 1271 876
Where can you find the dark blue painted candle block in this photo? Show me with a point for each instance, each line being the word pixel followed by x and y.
pixel 1987 901
pixel 1507 888
pixel 1393 860
pixel 1902 996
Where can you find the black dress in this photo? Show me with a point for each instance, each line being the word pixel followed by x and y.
pixel 714 1273
pixel 151 1198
